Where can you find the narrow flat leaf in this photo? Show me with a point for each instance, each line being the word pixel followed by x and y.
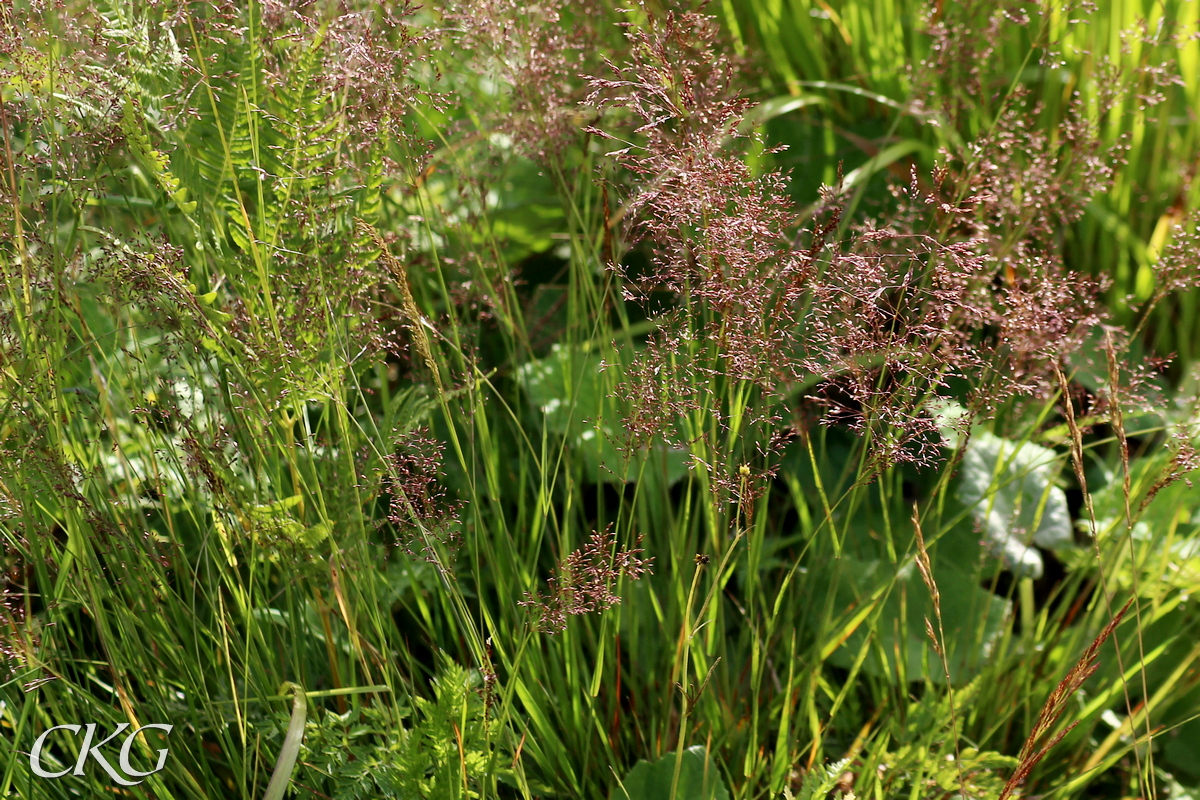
pixel 282 775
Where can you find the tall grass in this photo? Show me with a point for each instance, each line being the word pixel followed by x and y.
pixel 369 373
pixel 1129 64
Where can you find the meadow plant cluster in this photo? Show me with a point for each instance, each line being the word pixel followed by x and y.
pixel 538 54
pixel 553 400
pixel 960 283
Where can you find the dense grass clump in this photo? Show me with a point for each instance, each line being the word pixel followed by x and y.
pixel 483 400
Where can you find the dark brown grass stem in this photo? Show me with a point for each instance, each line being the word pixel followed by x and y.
pixel 18 229
pixel 416 320
pixel 938 639
pixel 1033 751
pixel 1118 424
pixel 1077 463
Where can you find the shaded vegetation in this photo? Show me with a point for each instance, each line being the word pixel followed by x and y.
pixel 771 400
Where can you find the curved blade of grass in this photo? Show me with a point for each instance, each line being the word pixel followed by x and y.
pixel 291 744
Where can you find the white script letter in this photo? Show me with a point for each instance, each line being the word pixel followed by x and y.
pixel 162 754
pixel 35 755
pixel 89 749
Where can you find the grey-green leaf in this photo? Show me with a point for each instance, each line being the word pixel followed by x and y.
pixel 1009 487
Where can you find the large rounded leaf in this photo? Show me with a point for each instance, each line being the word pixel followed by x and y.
pixel 699 779
pixel 1009 487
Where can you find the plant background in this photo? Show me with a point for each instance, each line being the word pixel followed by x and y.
pixel 770 399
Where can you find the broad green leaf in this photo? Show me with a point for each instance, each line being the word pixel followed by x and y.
pixel 699 779
pixel 569 388
pixel 972 617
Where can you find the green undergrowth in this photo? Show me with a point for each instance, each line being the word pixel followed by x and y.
pixel 315 377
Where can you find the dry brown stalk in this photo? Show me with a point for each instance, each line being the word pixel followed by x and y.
pixel 416 324
pixel 939 638
pixel 1033 751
